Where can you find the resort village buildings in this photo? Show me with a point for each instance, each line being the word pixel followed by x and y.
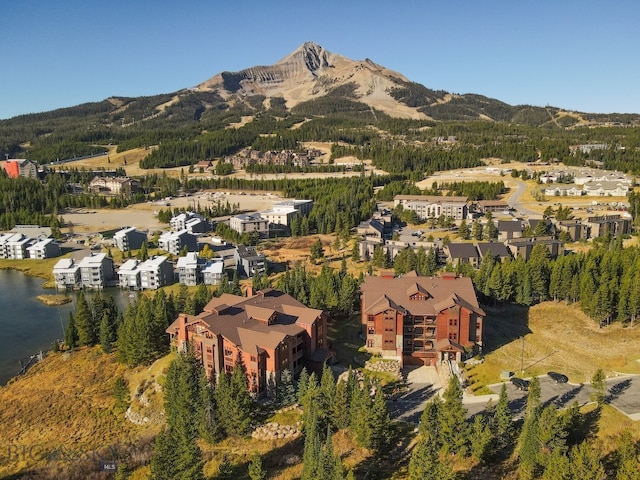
pixel 269 331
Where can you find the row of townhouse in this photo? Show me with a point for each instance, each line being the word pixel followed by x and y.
pixel 193 270
pixel 97 270
pixel 129 238
pixel 19 246
pixel 150 274
pixel 192 222
pixel 248 156
pixel 92 272
pixel 592 227
pixel 175 242
pixel 589 189
pixel 458 253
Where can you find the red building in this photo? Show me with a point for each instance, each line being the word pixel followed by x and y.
pixel 20 168
pixel 421 320
pixel 269 332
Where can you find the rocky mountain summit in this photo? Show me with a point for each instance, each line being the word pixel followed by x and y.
pixel 312 72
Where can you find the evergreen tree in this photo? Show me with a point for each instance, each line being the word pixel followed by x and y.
pixel 424 461
pixel 123 471
pixel 558 467
pixel 162 318
pixel 121 395
pixel 108 333
pixel 286 389
pixel 380 424
pixel 490 231
pixel 340 417
pixel 481 438
pixel 256 471
pixel 71 333
pixel 529 442
pixel 552 433
pixel 453 428
pixel 311 458
pixel 85 324
pixel 326 397
pixel 164 457
pixel 502 420
pixel 361 406
pixel 379 258
pixel 627 460
pixel 599 386
pixel 303 384
pixel 233 401
pixel 176 453
pixel 309 403
pixel 476 230
pixel 428 464
pixel 143 253
pixel 208 427
pixel 225 469
pixel 463 230
pixel 317 251
pixel 355 252
pixel 429 422
pixel 585 463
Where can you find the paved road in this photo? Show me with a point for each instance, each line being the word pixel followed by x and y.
pixel 514 199
pixel 623 393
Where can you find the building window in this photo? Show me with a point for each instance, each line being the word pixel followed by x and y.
pixel 453 337
pixel 253 358
pixel 227 352
pixel 371 331
pixel 453 322
pixel 370 318
pixel 369 343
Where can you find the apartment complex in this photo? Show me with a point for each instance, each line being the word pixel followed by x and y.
pixel 129 238
pixel 427 206
pixel 96 271
pixel 421 320
pixel 268 331
pixel 249 223
pixel 174 242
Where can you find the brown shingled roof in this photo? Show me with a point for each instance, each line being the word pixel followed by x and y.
pixel 378 292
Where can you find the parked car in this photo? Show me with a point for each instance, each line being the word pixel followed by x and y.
pixel 520 384
pixel 558 377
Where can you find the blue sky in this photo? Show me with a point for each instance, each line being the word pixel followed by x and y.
pixel 579 55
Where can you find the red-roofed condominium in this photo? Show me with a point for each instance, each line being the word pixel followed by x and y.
pixel 421 320
pixel 269 332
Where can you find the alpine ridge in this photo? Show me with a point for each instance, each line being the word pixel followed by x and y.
pixel 311 72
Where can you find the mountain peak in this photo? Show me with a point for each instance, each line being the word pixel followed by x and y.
pixel 311 55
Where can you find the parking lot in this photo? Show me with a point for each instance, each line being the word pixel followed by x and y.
pixel 623 393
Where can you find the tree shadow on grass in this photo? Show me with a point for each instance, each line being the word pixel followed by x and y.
pixel 503 325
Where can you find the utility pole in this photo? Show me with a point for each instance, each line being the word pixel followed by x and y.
pixel 522 357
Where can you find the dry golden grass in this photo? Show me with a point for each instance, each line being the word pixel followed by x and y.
pixel 33 268
pixel 66 401
pixel 556 337
pixel 54 299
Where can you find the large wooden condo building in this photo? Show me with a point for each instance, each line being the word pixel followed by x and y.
pixel 421 320
pixel 269 332
pixel 429 206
